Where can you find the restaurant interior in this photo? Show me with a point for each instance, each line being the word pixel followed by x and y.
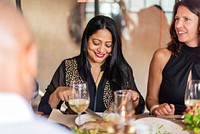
pixel 57 26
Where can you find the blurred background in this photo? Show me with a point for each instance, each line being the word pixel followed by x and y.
pixel 57 27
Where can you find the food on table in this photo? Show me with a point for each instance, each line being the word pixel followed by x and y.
pixel 104 127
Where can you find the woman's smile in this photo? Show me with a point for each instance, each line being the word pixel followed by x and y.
pixel 99 55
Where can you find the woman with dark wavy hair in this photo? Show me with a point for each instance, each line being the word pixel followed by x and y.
pixel 172 67
pixel 101 64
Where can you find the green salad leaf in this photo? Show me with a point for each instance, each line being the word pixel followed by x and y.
pixel 192 118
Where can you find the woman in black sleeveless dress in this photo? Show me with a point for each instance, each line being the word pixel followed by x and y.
pixel 172 67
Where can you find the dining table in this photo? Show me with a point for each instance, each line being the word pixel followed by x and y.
pixel 68 120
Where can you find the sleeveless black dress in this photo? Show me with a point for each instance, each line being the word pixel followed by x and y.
pixel 175 76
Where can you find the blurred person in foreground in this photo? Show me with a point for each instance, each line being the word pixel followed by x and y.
pixel 101 64
pixel 18 63
pixel 172 67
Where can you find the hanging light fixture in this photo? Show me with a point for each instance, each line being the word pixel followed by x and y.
pixel 81 1
pixel 84 1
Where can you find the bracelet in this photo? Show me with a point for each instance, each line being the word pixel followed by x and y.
pixel 153 108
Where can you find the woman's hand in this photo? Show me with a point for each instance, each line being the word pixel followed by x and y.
pixel 164 109
pixel 61 93
pixel 135 97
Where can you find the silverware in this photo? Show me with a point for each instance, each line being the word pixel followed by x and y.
pixel 92 113
pixel 172 117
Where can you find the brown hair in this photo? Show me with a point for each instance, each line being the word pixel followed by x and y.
pixel 194 6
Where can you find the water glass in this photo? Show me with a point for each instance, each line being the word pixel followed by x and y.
pixel 123 105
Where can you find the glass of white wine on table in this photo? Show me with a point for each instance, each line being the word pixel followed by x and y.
pixel 192 93
pixel 79 98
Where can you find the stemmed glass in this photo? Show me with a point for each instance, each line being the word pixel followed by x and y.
pixel 192 93
pixel 79 97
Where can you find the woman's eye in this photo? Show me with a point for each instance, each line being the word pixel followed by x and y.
pixel 96 43
pixel 176 19
pixel 187 19
pixel 109 45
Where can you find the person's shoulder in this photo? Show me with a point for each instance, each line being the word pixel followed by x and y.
pixel 50 127
pixel 160 57
pixel 71 58
pixel 72 61
pixel 36 126
pixel 162 53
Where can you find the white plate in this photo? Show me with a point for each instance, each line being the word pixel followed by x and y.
pixel 160 126
pixel 85 118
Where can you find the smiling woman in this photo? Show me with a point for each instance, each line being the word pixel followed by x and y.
pixel 172 67
pixel 101 64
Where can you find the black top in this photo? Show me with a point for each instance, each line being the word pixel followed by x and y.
pixel 100 97
pixel 175 76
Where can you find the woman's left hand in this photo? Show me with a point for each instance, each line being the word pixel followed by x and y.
pixel 135 97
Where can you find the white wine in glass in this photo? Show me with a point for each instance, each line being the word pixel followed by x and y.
pixel 192 93
pixel 78 105
pixel 79 97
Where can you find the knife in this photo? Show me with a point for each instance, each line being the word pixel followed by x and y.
pixel 92 113
pixel 172 117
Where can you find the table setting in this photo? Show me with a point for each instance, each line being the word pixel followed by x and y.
pixel 120 118
pixel 170 124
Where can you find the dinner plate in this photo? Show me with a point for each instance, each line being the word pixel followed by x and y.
pixel 85 118
pixel 159 126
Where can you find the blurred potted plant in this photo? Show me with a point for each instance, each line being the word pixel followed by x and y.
pixel 192 118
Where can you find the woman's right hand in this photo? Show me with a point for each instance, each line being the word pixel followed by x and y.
pixel 61 93
pixel 164 109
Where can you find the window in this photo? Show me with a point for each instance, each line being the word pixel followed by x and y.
pixel 132 6
pixel 124 12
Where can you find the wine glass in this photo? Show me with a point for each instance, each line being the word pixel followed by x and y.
pixel 79 98
pixel 192 93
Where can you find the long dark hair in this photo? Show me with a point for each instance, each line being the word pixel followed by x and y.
pixel 194 6
pixel 117 62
